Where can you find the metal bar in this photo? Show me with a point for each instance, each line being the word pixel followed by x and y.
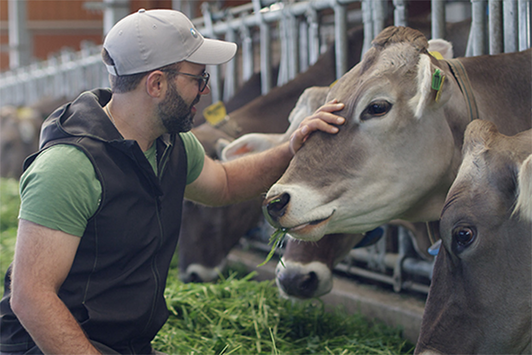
pixel 438 19
pixel 399 13
pixel 511 34
pixel 495 26
pixel 478 25
pixel 340 32
pixel 293 46
pixel 358 271
pixel 524 24
pixel 265 50
pixel 283 63
pixel 247 53
pixel 379 16
pixel 303 46
pixel 214 70
pixel 314 40
pixel 19 37
pixel 230 68
pixel 367 19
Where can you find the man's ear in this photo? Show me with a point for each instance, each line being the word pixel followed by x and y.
pixel 155 83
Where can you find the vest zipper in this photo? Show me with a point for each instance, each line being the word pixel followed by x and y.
pixel 155 270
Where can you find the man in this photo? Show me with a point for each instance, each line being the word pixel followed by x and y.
pixel 101 201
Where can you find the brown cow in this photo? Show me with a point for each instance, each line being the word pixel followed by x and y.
pixel 480 298
pixel 306 268
pixel 263 115
pixel 398 153
pixel 19 137
pixel 19 133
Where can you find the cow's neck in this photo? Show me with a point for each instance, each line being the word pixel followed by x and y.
pixel 457 114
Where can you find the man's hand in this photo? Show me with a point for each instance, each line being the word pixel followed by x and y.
pixel 323 119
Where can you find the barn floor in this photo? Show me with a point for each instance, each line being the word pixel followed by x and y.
pixel 397 310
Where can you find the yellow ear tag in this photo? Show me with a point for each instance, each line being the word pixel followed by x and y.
pixel 436 55
pixel 333 83
pixel 25 113
pixel 215 113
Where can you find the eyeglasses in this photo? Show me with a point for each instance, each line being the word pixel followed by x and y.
pixel 202 79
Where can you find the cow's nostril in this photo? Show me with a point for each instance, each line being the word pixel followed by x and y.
pixel 194 278
pixel 277 206
pixel 309 283
pixel 299 284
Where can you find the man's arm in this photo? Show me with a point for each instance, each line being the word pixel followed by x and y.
pixel 43 258
pixel 249 176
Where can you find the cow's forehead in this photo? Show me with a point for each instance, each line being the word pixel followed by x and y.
pixel 398 58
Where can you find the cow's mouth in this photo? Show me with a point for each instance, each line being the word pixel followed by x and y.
pixel 311 231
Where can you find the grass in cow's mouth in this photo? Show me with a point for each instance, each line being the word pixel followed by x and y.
pixel 276 240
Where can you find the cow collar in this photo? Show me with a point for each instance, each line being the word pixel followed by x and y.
pixel 460 74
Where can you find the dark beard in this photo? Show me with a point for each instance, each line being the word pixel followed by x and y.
pixel 174 112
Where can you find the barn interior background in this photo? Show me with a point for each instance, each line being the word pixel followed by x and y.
pixel 50 51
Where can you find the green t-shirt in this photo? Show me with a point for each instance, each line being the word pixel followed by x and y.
pixel 60 189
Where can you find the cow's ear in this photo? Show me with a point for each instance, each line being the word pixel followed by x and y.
pixel 249 144
pixel 432 87
pixel 445 48
pixel 524 203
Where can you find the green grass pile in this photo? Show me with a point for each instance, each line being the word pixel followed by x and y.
pixel 248 317
pixel 238 316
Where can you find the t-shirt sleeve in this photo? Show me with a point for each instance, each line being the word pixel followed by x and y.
pixel 60 190
pixel 195 156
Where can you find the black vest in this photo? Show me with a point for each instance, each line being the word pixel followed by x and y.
pixel 116 283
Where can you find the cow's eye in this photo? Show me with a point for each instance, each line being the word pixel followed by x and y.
pixel 463 236
pixel 376 109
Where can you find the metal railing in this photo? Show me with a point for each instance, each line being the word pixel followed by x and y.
pixel 289 33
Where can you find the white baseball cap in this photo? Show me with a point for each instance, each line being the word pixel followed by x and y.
pixel 150 39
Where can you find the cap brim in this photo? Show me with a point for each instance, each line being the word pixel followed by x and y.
pixel 213 52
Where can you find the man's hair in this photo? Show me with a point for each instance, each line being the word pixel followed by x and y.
pixel 124 83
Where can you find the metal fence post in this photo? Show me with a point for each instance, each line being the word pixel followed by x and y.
pixel 214 70
pixel 265 51
pixel 399 13
pixel 230 69
pixel 367 19
pixel 380 11
pixel 510 26
pixel 247 52
pixel 313 35
pixel 524 24
pixel 438 19
pixel 495 26
pixel 340 35
pixel 478 26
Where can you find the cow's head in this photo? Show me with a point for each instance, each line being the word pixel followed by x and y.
pixel 306 267
pixel 480 298
pixel 19 137
pixel 395 157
